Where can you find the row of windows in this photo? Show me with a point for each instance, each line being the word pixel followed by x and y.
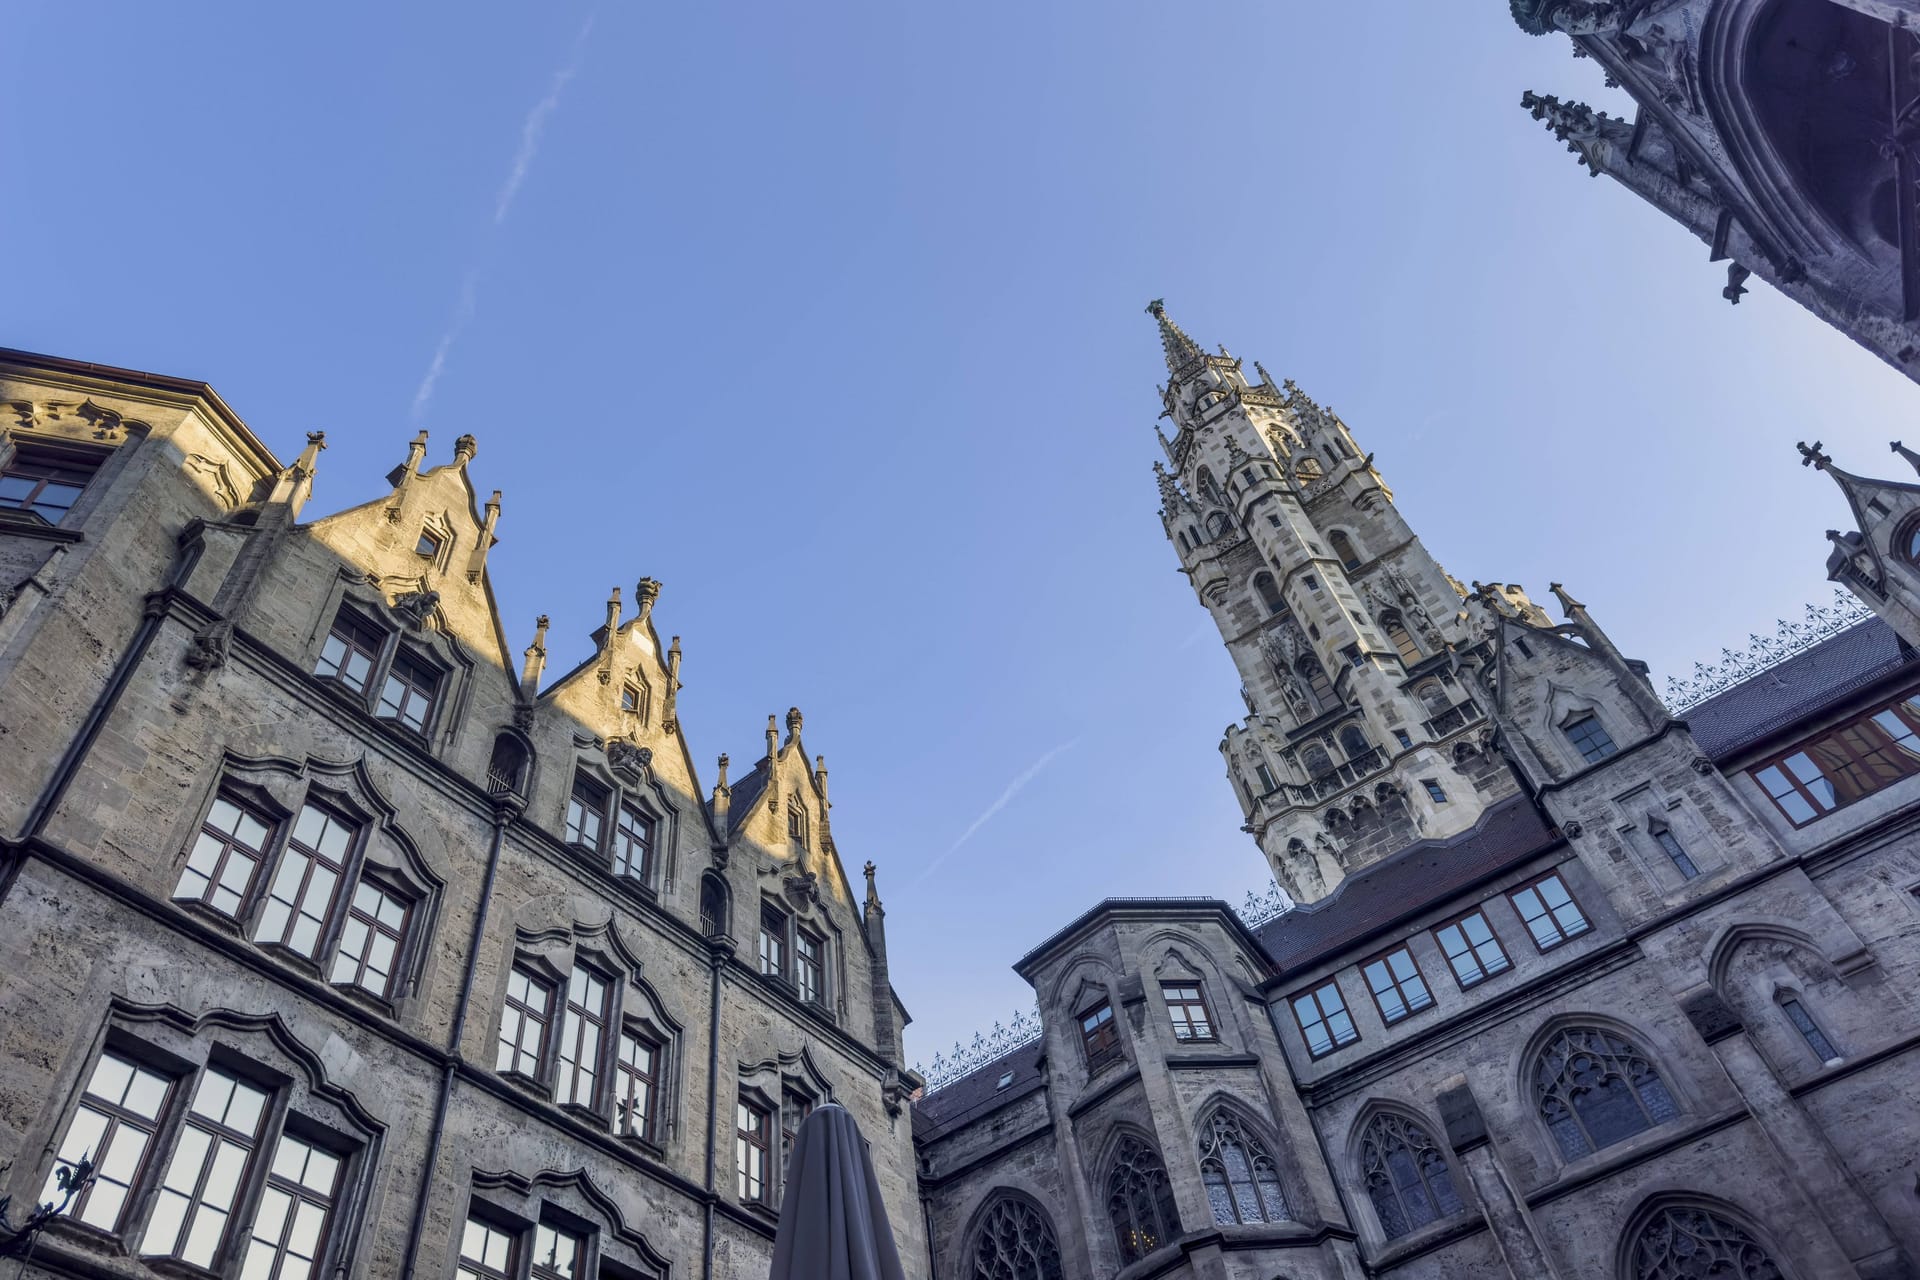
pixel 363 658
pixel 45 482
pixel 1844 764
pixel 570 1040
pixel 793 953
pixel 1186 1009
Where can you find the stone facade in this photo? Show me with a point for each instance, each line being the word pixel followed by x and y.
pixel 1777 131
pixel 1642 1008
pixel 283 816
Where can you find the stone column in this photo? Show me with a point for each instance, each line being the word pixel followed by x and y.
pixel 1805 1155
pixel 1514 1232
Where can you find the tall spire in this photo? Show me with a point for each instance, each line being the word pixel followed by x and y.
pixel 1181 350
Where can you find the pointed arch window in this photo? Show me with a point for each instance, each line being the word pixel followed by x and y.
pixel 1242 1183
pixel 1139 1200
pixel 1269 593
pixel 1318 763
pixel 507 767
pixel 1343 549
pixel 1595 1088
pixel 1684 1241
pixel 1405 1174
pixel 1318 686
pixel 1015 1241
pixel 1400 638
pixel 1353 743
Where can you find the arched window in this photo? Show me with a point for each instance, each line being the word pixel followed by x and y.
pixel 1405 1174
pixel 1014 1241
pixel 1343 549
pixel 1219 524
pixel 1193 533
pixel 1269 593
pixel 1139 1200
pixel 1242 1183
pixel 1209 487
pixel 715 905
pixel 1683 1241
pixel 1307 471
pixel 1913 542
pixel 1317 683
pixel 1433 697
pixel 1316 760
pixel 1353 743
pixel 507 768
pixel 1595 1089
pixel 1400 638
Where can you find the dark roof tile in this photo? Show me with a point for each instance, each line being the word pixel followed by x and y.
pixel 1796 688
pixel 946 1109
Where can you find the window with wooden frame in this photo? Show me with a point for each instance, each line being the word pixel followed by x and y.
pixel 45 482
pixel 1473 952
pixel 226 856
pixel 306 885
pixel 523 1024
pixel 1323 1019
pixel 1844 764
pixel 408 694
pixel 774 924
pixel 633 700
pixel 248 1188
pixel 558 1254
pixel 1187 1010
pixel 1398 988
pixel 1547 908
pixel 353 649
pixel 809 966
pixel 795 1107
pixel 587 813
pixel 487 1252
pixel 636 1076
pixel 632 842
pixel 1590 738
pixel 372 938
pixel 751 1149
pixel 583 1037
pixel 1099 1036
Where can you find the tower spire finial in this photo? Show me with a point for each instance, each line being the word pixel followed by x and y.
pixel 1181 350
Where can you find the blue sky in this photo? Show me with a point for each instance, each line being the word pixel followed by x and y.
pixel 829 317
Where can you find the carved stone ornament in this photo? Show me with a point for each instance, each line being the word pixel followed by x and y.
pixel 23 410
pixel 1702 766
pixel 523 716
pixel 416 607
pixel 106 422
pixel 208 652
pixel 802 889
pixel 625 758
pixel 1572 829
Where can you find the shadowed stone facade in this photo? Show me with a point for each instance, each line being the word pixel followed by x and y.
pixel 1780 132
pixel 1635 1000
pixel 285 818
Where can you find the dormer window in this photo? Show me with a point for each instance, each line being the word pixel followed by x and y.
pixel 1006 1078
pixel 429 545
pixel 1590 739
pixel 44 482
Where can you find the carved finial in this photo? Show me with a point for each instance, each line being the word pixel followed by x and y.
pixel 613 613
pixel 721 782
pixel 1578 125
pixel 477 562
pixel 416 451
pixel 645 592
pixel 1913 459
pixel 793 722
pixel 1810 455
pixel 463 450
pixel 873 893
pixel 1736 282
pixel 1181 351
pixel 820 776
pixel 1567 603
pixel 1266 379
pixel 773 736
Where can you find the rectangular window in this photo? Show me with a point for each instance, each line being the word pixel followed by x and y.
pixel 351 651
pixel 209 1168
pixel 229 850
pixel 370 940
pixel 302 896
pixel 636 1074
pixel 633 844
pixel 428 545
pixel 1354 656
pixel 408 694
pixel 1187 1007
pixel 773 942
pixel 796 823
pixel 795 1107
pixel 1809 1030
pixel 583 1030
pixel 1550 912
pixel 1434 791
pixel 630 698
pixel 1845 764
pixel 557 1254
pixel 1471 949
pixel 586 813
pixel 1099 1036
pixel 1265 774
pixel 1402 737
pixel 809 971
pixel 1324 1019
pixel 114 1127
pixel 44 482
pixel 290 1229
pixel 1590 739
pixel 523 1024
pixel 1398 989
pixel 486 1253
pixel 1673 849
pixel 750 1149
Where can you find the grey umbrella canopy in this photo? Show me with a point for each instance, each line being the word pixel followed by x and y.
pixel 833 1225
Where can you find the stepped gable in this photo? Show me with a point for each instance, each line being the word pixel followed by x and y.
pixel 1796 688
pixel 977 1092
pixel 1376 897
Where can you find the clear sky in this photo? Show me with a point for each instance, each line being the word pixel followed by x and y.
pixel 829 316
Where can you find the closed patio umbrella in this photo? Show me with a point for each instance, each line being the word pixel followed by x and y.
pixel 833 1225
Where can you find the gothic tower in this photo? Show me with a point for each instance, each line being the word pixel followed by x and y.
pixel 1360 734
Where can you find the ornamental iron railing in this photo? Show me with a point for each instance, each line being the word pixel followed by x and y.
pixel 1789 639
pixel 968 1057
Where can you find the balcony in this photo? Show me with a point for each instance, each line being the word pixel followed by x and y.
pixel 1452 720
pixel 1340 777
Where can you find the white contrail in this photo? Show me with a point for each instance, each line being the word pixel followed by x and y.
pixel 1006 797
pixel 530 131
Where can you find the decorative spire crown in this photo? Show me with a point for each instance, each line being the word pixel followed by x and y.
pixel 1181 350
